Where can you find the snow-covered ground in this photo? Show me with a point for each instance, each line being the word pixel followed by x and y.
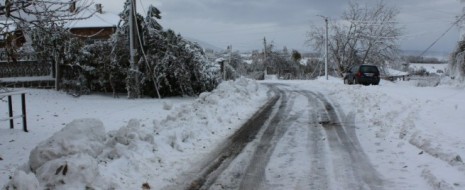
pixel 412 135
pixel 430 68
pixel 131 142
pixel 49 111
pixel 393 72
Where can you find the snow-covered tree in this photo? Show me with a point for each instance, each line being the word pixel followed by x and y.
pixel 235 65
pixel 177 65
pixel 167 64
pixel 457 65
pixel 296 56
pixel 100 71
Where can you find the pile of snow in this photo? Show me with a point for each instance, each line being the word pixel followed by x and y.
pixel 83 156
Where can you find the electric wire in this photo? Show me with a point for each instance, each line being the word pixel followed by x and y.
pixel 442 35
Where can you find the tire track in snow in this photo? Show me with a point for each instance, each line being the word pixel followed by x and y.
pixel 297 149
pixel 255 172
pixel 319 175
pixel 347 154
pixel 332 154
pixel 229 150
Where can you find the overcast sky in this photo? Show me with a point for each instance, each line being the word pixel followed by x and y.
pixel 244 23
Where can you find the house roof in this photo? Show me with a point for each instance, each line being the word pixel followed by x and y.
pixel 105 19
pixel 108 18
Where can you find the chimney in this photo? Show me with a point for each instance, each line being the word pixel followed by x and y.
pixel 72 6
pixel 98 8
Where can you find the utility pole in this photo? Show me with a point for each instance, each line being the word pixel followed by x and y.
pixel 134 85
pixel 326 49
pixel 229 63
pixel 326 45
pixel 264 56
pixel 131 34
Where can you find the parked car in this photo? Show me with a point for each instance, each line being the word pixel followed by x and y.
pixel 362 74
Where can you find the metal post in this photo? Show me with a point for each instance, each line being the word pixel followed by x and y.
pixel 10 109
pixel 23 101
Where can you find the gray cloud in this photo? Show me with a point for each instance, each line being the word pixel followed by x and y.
pixel 249 11
pixel 244 23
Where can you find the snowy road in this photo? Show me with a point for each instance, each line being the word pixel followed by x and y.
pixel 302 141
pixel 306 135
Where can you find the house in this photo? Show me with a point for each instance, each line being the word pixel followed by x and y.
pixel 100 26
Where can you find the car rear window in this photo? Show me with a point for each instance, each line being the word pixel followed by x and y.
pixel 369 69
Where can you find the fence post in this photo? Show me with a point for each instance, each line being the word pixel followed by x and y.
pixel 23 102
pixel 10 109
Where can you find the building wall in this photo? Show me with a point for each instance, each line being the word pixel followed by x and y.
pixel 93 33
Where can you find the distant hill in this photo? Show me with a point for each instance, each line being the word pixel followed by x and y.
pixel 204 45
pixel 436 54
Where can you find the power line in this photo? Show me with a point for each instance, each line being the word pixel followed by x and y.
pixel 443 34
pixel 142 5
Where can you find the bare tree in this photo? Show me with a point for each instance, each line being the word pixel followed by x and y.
pixel 363 35
pixel 44 23
pixel 36 13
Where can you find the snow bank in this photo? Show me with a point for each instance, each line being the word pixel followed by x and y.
pixel 83 136
pixel 22 180
pixel 83 156
pixel 65 160
pixel 435 182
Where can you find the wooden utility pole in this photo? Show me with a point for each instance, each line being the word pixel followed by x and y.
pixel 326 49
pixel 134 83
pixel 326 45
pixel 229 62
pixel 264 56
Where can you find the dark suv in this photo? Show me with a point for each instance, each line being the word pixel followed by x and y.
pixel 362 74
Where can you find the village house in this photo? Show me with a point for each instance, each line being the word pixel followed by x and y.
pixel 92 24
pixel 100 26
pixel 96 24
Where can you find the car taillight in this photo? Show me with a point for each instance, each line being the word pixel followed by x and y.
pixel 359 74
